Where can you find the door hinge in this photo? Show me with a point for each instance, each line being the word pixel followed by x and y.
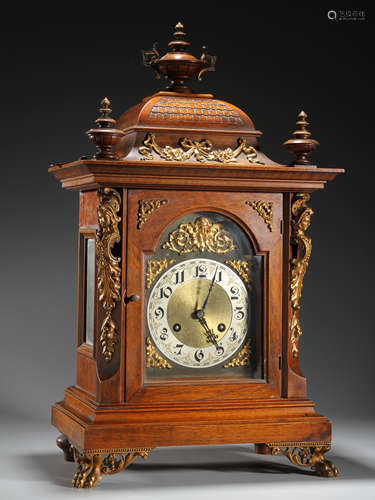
pixel 280 362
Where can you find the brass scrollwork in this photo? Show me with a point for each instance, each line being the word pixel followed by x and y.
pixel 307 454
pixel 202 235
pixel 202 151
pixel 108 266
pixel 242 268
pixel 91 464
pixel 146 208
pixel 153 358
pixel 242 358
pixel 264 209
pixel 154 268
pixel 301 251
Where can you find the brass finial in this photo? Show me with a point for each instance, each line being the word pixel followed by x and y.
pixel 301 145
pixel 106 135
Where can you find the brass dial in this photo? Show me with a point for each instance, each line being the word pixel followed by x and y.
pixel 197 313
pixel 187 299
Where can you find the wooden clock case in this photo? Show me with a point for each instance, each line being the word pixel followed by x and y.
pixel 143 178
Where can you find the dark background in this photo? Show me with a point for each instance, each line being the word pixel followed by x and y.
pixel 272 62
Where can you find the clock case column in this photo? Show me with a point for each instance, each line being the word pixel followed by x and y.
pixel 95 415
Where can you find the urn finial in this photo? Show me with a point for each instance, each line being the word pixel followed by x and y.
pixel 178 65
pixel 301 145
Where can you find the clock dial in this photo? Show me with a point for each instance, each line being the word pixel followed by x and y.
pixel 198 313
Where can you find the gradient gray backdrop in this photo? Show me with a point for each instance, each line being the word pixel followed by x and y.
pixel 272 62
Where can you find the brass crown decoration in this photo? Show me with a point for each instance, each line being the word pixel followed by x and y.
pixel 202 235
pixel 178 65
pixel 108 266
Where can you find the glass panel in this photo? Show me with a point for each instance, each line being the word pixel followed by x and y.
pixel 203 301
pixel 89 292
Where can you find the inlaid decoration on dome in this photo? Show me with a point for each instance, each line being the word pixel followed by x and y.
pixel 194 110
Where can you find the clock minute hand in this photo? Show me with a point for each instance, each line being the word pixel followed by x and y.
pixel 209 290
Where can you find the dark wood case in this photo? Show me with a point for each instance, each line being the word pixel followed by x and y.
pixel 112 410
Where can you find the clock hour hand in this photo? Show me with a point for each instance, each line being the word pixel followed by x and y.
pixel 211 337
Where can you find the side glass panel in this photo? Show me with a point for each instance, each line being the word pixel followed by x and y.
pixel 89 290
pixel 204 293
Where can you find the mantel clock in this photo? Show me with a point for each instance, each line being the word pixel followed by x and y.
pixel 193 247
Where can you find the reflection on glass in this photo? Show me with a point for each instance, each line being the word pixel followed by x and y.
pixel 90 286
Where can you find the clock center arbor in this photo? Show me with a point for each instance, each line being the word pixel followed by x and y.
pixel 192 254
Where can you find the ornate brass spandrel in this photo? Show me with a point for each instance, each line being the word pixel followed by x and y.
pixel 108 266
pixel 201 235
pixel 146 208
pixel 242 358
pixel 153 358
pixel 201 150
pixel 264 209
pixel 307 454
pixel 242 268
pixel 154 268
pixel 301 251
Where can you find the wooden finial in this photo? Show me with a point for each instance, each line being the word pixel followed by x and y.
pixel 106 135
pixel 301 146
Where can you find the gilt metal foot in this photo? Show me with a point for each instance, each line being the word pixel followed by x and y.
pixel 305 454
pixel 91 464
pixel 89 470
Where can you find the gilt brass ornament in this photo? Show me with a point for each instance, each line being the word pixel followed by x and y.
pixel 116 462
pixel 264 209
pixel 146 208
pixel 201 150
pixel 307 454
pixel 301 251
pixel 108 266
pixel 91 464
pixel 154 268
pixel 241 267
pixel 153 358
pixel 202 235
pixel 242 358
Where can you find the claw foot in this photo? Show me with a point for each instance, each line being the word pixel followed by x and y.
pixel 89 470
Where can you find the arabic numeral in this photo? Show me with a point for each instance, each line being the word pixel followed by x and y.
pixel 165 292
pixel 238 313
pixel 219 276
pixel 219 350
pixel 199 355
pixel 159 313
pixel 178 349
pixel 164 334
pixel 233 334
pixel 179 277
pixel 201 271
pixel 235 291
